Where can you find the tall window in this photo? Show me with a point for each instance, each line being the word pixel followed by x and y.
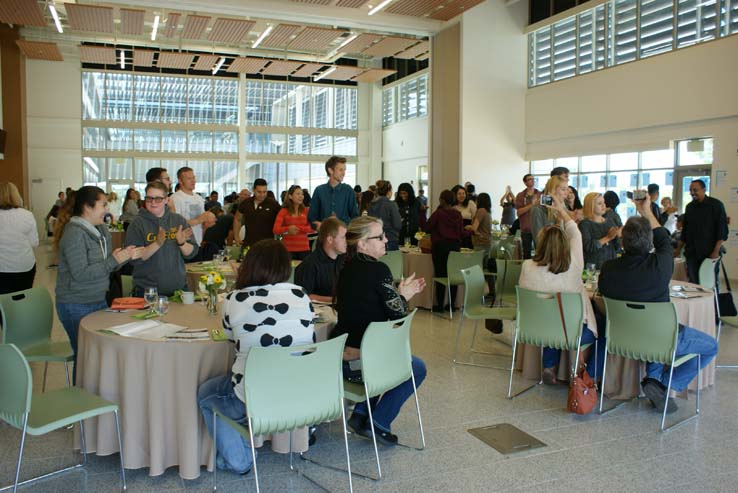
pixel 405 100
pixel 621 31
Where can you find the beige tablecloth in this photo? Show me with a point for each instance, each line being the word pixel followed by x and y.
pixel 155 384
pixel 117 238
pixel 422 265
pixel 680 270
pixel 624 375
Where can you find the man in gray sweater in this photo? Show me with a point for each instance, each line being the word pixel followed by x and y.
pixel 168 241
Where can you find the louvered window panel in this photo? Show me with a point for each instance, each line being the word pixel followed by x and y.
pixel 657 28
pixel 531 60
pixel 565 41
pixel 423 95
pixel 586 42
pixel 543 56
pixel 602 30
pixel 730 16
pixel 624 26
pixel 388 106
pixel 696 21
pixel 409 100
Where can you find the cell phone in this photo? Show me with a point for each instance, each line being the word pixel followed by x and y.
pixel 636 195
pixel 547 200
pixel 629 195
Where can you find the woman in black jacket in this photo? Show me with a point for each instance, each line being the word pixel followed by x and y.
pixel 410 211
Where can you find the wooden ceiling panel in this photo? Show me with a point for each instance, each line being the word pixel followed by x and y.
pixel 230 31
pixel 389 46
pixel 281 67
pixel 353 4
pixel 344 73
pixel 180 61
pixel 143 58
pixel 40 51
pixel 132 21
pixel 453 9
pixel 22 13
pixel 280 36
pixel 309 69
pixel 92 18
pixel 424 56
pixel 314 2
pixel 361 43
pixel 415 8
pixel 171 25
pixel 315 39
pixel 414 51
pixel 206 62
pixel 374 75
pixel 195 26
pixel 246 65
pixel 103 55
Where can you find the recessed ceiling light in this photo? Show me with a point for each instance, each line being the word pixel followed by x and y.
pixel 52 9
pixel 323 74
pixel 218 65
pixel 155 29
pixel 263 35
pixel 122 59
pixel 379 7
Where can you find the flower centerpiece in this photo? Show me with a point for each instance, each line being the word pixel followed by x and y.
pixel 210 284
pixel 419 235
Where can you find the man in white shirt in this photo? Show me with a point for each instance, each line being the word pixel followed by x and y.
pixel 191 205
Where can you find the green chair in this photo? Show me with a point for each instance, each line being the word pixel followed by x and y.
pixel 538 323
pixel 456 262
pixel 39 414
pixel 27 320
pixel 508 275
pixel 709 280
pixel 394 262
pixel 646 332
pixel 126 285
pixel 386 362
pixel 474 309
pixel 288 388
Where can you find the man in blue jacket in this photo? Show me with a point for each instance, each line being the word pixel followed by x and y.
pixel 333 198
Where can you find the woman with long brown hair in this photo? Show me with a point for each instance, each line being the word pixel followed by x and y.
pixel 292 223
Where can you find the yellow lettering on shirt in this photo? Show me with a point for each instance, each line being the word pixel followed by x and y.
pixel 170 235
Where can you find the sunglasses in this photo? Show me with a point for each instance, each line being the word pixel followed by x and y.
pixel 156 200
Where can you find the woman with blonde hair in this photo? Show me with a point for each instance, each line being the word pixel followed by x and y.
pixel 19 238
pixel 599 234
pixel 540 215
pixel 365 293
pixel 557 268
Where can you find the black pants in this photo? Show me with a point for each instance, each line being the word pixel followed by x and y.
pixel 439 253
pixel 526 237
pixel 10 282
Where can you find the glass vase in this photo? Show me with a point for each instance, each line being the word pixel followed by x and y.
pixel 212 303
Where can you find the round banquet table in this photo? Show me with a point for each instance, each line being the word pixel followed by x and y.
pixel 422 265
pixel 624 375
pixel 155 385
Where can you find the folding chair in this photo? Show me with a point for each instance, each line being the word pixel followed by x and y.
pixel 393 260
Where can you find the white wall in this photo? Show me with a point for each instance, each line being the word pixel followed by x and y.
pixel 370 134
pixel 404 148
pixel 647 105
pixel 493 87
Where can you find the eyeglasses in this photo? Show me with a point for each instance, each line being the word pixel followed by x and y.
pixel 381 237
pixel 156 200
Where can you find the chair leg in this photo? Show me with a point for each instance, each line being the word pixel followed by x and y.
pixel 253 455
pixel 345 442
pixel 458 336
pixel 46 370
pixel 604 373
pixel 215 450
pixel 83 442
pixel 20 453
pixel 417 409
pixel 474 335
pixel 668 391
pixel 450 301
pixel 120 448
pixel 66 374
pixel 697 403
pixel 374 435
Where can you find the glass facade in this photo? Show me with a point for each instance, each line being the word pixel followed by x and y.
pixel 405 100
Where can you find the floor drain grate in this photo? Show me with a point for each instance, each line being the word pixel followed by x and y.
pixel 506 438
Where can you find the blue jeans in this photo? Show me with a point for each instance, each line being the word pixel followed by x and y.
pixel 386 408
pixel 69 315
pixel 690 341
pixel 551 356
pixel 234 451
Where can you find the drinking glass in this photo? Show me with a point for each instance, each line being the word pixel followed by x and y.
pixel 162 305
pixel 150 296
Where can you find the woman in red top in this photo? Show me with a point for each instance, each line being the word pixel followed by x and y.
pixel 293 225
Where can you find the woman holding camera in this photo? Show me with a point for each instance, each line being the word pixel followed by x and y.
pixel 599 234
pixel 557 268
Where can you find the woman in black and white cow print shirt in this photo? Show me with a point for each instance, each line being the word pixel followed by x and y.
pixel 265 310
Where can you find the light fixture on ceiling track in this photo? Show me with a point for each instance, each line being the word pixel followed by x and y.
pixel 218 65
pixel 347 41
pixel 122 58
pixel 323 74
pixel 262 36
pixel 155 29
pixel 379 7
pixel 52 9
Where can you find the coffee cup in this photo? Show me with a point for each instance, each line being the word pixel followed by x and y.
pixel 188 297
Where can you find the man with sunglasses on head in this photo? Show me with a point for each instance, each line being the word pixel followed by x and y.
pixel 167 240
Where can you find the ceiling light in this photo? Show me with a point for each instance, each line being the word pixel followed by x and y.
pixel 347 41
pixel 218 65
pixel 122 59
pixel 262 36
pixel 323 74
pixel 156 28
pixel 379 7
pixel 52 9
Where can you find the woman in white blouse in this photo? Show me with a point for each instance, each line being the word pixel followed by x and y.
pixel 18 239
pixel 557 268
pixel 264 311
pixel 468 210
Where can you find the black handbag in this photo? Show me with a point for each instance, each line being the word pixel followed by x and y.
pixel 725 300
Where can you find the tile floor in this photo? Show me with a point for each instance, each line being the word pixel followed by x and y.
pixel 621 451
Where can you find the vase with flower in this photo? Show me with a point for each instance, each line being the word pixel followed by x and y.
pixel 210 284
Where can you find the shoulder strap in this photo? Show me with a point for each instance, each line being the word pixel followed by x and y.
pixel 725 275
pixel 561 314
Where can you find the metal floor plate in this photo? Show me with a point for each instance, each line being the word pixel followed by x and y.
pixel 506 438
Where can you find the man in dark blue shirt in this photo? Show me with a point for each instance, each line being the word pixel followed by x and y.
pixel 333 198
